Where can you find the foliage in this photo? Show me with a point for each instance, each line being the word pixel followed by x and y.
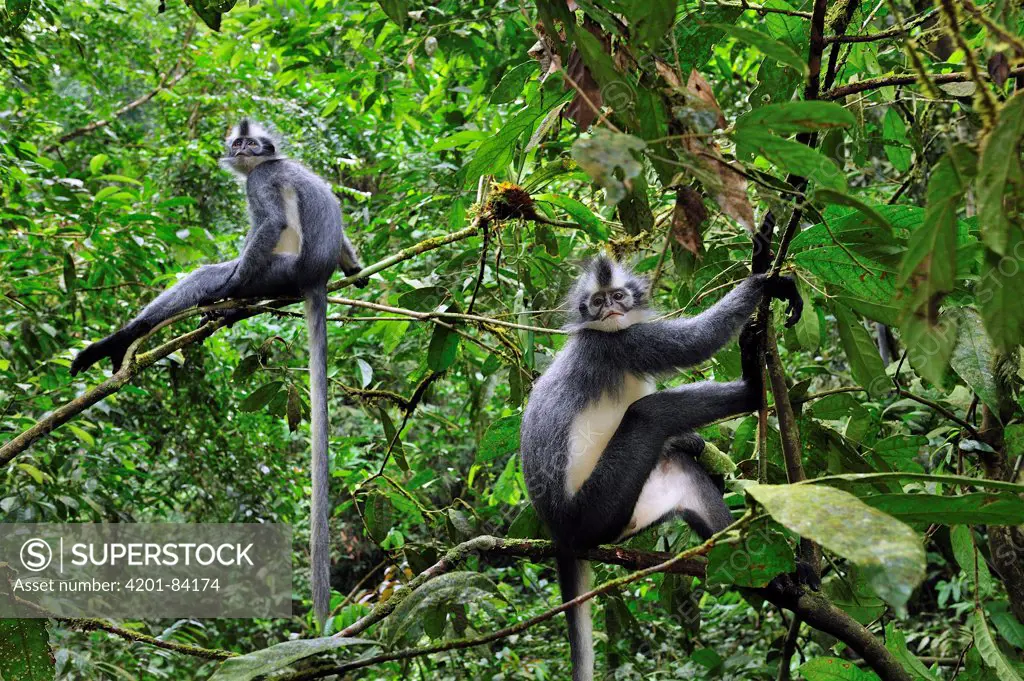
pixel 664 132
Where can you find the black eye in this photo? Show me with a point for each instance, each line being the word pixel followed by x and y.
pixel 236 143
pixel 597 301
pixel 618 295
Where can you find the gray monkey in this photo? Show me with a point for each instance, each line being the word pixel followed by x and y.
pixel 604 454
pixel 295 243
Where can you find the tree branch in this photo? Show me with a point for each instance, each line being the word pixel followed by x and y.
pixel 133 365
pixel 905 79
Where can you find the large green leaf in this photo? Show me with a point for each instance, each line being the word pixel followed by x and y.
pixel 1001 177
pixel 973 357
pixel 444 346
pixel 889 552
pixel 1002 280
pixel 753 560
pixel 971 560
pixel 25 650
pixel 930 343
pixel 276 657
pixel 791 117
pixel 862 353
pixel 447 591
pixel 834 669
pixel 513 82
pixel 397 11
pixel 988 508
pixel 990 652
pixel 896 643
pixel 791 157
pixel 894 132
pixel 860 278
pixel 501 438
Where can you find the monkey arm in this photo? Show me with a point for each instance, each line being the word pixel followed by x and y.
pixel 655 347
pixel 266 210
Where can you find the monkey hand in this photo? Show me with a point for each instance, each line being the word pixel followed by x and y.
pixel 362 282
pixel 784 288
pixel 229 316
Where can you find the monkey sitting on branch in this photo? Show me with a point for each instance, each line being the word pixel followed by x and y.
pixel 597 456
pixel 295 243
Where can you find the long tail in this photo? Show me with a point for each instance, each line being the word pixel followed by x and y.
pixel 319 542
pixel 575 577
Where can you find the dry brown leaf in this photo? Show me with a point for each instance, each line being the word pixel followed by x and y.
pixel 999 68
pixel 688 216
pixel 699 88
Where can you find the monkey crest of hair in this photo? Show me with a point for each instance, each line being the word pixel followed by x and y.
pixel 608 297
pixel 248 145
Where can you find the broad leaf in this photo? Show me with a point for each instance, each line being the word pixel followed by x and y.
pixel 989 651
pixel 501 438
pixel 276 657
pixel 447 590
pixel 980 508
pixel 791 117
pixel 834 669
pixel 973 357
pixel 25 650
pixel 896 643
pixel 753 560
pixel 889 552
pixel 862 353
pixel 779 51
pixel 1001 178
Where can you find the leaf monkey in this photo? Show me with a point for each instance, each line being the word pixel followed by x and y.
pixel 595 430
pixel 294 245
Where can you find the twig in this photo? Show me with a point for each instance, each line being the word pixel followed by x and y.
pixel 94 624
pixel 453 316
pixel 906 79
pixel 894 32
pixel 788 648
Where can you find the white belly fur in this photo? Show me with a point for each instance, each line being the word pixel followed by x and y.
pixel 594 426
pixel 668 490
pixel 291 238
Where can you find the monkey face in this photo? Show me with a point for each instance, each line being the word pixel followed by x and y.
pixel 251 146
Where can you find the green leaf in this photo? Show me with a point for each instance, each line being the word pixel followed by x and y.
pixel 834 669
pixel 999 288
pixel 650 20
pixel 895 130
pixel 32 471
pixel 17 12
pixel 527 525
pixel 262 662
pixel 293 410
pixel 866 209
pixel 791 157
pixel 787 118
pixel 981 508
pixel 751 561
pixel 835 407
pixel 852 594
pixel 260 397
pixel 1008 626
pixel 378 516
pixel 501 438
pixel 513 82
pixel 931 251
pixel 397 11
pixel 1000 187
pixel 447 591
pixel 496 152
pixel 767 45
pixel 973 357
pixel 25 648
pixel 889 552
pixel 896 643
pixel 444 345
pixel 988 649
pixel 616 88
pixel 97 162
pixel 930 344
pixel 862 353
pixel 82 435
pixel 392 435
pixel 210 11
pixel 970 560
pixel 591 224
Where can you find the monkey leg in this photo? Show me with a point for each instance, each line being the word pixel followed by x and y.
pixel 203 286
pixel 603 507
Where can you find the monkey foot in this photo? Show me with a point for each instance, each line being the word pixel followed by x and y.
pixel 113 346
pixel 229 316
